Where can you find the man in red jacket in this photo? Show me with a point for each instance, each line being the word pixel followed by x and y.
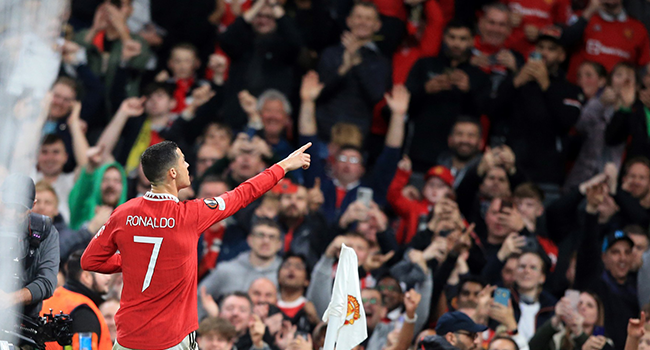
pixel 157 236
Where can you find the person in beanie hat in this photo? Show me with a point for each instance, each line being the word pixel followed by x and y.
pixel 439 184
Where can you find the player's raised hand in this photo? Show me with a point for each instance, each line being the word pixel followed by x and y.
pixel 296 160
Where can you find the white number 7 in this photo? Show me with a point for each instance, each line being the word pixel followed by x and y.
pixel 156 241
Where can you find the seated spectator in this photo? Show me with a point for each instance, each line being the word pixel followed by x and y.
pixel 445 86
pixel 293 280
pixel 109 37
pixel 261 261
pixel 464 152
pixel 354 73
pixel 51 160
pixel 595 118
pixel 622 129
pixel 611 279
pixel 573 326
pixel 269 117
pixel 263 45
pixel 491 52
pixel 414 214
pixel 216 334
pixel 606 34
pixel 542 106
pixel 101 187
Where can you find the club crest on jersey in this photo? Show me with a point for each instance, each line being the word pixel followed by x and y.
pixel 353 313
pixel 214 203
pixel 628 33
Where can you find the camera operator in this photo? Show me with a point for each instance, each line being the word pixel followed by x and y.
pixel 38 241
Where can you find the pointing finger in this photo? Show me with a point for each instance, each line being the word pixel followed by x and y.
pixel 305 147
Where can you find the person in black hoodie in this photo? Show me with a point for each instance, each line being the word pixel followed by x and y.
pixel 442 88
pixel 540 106
pixel 611 279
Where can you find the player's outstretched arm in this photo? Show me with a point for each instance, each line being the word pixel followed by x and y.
pixel 296 160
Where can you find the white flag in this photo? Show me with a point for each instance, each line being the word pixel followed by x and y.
pixel 345 317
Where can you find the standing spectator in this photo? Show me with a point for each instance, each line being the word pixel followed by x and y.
pixel 543 107
pixel 355 74
pixel 611 279
pixel 269 117
pixel 607 35
pixel 442 88
pixel 293 280
pixel 595 120
pixel 109 46
pixel 636 180
pixel 261 261
pixel 263 45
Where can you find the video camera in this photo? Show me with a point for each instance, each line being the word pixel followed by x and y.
pixel 36 332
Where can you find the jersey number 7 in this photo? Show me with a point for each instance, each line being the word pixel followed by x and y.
pixel 157 242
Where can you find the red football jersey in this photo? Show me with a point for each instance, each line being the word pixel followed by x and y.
pixel 157 238
pixel 539 13
pixel 608 40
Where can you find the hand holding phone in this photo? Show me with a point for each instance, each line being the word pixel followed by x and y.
pixel 501 296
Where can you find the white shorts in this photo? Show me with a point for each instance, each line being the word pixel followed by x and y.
pixel 188 343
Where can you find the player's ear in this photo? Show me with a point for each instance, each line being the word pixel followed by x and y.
pixel 173 173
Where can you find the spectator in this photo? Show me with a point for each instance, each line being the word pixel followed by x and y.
pixel 607 35
pixel 80 298
pixel 457 329
pixel 594 123
pixel 641 242
pixel 212 239
pixel 51 160
pixel 468 292
pixel 206 156
pixel 629 114
pixel 109 309
pixel 636 180
pixel 545 115
pixel 263 45
pixel 611 281
pixel 502 342
pixel 269 118
pixel 183 64
pixel 355 74
pixel 414 214
pixel 592 78
pixel 444 86
pixel 491 52
pixel 374 308
pixel 573 326
pixel 99 189
pixel 109 37
pixel 237 308
pixel 293 280
pixel 348 169
pixel 216 334
pixel 69 240
pixel 238 274
pixel 464 142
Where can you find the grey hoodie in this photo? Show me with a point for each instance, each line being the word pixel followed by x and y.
pixel 236 275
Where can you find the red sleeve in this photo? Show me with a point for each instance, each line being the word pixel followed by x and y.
pixel 562 11
pixel 100 254
pixel 432 35
pixel 212 210
pixel 394 196
pixel 644 49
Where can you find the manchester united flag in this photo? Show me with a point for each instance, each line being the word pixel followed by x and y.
pixel 345 317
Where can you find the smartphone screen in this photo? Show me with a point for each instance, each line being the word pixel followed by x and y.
pixel 501 296
pixel 364 194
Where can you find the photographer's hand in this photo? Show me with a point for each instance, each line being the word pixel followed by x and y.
pixel 20 297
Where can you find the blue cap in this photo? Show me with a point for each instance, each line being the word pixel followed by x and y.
pixel 457 321
pixel 614 237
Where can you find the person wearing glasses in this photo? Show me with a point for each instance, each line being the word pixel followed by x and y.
pixel 238 274
pixel 454 330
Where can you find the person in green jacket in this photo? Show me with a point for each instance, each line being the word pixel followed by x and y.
pixel 97 188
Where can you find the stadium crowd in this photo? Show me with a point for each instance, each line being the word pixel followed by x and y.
pixel 458 146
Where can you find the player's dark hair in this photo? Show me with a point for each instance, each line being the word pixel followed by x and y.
pixel 158 159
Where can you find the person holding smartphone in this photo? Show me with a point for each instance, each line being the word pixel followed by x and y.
pixel 576 324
